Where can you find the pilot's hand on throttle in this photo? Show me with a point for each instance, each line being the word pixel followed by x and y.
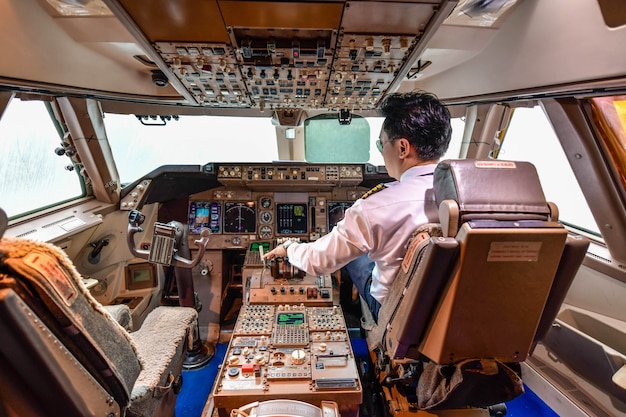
pixel 277 252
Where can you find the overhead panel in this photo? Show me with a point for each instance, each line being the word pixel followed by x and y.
pixel 279 55
pixel 209 71
pixel 284 49
pixel 373 44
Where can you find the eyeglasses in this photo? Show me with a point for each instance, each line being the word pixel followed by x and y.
pixel 380 144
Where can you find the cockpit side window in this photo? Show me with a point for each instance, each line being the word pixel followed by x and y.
pixel 610 117
pixel 530 137
pixel 33 175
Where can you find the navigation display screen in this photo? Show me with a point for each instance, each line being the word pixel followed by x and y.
pixel 239 217
pixel 336 211
pixel 290 319
pixel 291 219
pixel 205 214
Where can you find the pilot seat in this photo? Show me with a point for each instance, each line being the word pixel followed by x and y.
pixel 64 354
pixel 475 293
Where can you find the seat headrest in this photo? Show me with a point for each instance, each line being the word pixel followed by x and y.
pixel 490 190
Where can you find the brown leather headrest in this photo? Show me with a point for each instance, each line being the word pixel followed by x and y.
pixel 491 190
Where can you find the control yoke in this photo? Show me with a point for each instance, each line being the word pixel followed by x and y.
pixel 165 239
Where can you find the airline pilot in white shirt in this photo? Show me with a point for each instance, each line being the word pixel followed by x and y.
pixel 371 239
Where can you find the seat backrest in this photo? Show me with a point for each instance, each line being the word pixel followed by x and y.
pixel 411 294
pixel 502 290
pixel 58 342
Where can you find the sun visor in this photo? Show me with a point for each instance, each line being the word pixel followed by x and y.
pixel 332 138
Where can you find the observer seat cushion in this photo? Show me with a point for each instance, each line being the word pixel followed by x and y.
pixel 161 342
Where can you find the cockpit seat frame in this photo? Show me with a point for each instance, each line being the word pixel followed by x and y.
pixel 477 291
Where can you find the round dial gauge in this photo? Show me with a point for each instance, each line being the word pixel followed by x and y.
pixel 265 232
pixel 266 202
pixel 266 217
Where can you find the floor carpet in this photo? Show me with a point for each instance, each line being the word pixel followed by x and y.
pixel 197 384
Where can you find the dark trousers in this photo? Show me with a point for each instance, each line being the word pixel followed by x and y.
pixel 360 272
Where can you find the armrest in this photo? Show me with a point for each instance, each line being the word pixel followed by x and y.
pixel 121 314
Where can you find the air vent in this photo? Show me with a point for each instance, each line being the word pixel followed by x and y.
pixel 92 209
pixel 606 261
pixel 30 232
pixel 599 258
pixel 68 223
pixel 563 382
pixel 57 222
pixel 569 390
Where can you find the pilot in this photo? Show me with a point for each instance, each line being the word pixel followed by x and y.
pixel 370 242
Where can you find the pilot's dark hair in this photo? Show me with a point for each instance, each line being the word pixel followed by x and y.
pixel 421 118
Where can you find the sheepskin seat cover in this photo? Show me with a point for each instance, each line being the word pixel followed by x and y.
pixel 144 362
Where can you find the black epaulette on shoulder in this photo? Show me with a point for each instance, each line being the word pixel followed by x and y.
pixel 374 190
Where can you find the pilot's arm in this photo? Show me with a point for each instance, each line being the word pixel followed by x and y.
pixel 349 239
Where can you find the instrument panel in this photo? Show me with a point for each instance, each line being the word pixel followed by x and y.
pixel 314 174
pixel 290 337
pixel 261 202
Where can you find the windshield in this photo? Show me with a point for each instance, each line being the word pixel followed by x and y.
pixel 138 149
pixel 196 140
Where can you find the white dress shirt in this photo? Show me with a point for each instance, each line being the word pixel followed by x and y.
pixel 379 225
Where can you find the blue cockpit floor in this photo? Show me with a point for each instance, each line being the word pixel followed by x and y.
pixel 527 405
pixel 197 384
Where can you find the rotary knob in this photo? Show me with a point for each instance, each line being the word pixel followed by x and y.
pixel 298 356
